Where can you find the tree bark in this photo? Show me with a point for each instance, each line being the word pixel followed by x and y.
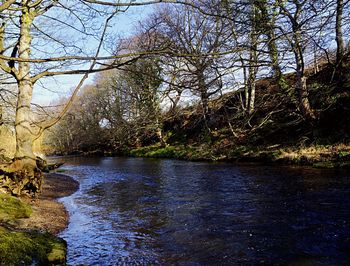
pixel 23 174
pixel 339 33
pixel 24 134
pixel 268 24
pixel 253 60
pixel 301 86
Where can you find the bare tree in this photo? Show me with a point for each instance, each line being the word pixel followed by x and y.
pixel 297 16
pixel 23 32
pixel 200 40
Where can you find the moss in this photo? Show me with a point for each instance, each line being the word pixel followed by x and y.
pixel 60 171
pixel 58 253
pixel 12 208
pixel 173 151
pixel 15 249
pixel 156 151
pixel 18 248
pixel 168 152
pixel 343 154
pixel 141 152
pixel 22 247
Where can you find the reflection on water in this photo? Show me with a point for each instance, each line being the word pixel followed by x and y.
pixel 160 212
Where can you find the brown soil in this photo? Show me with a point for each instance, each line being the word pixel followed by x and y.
pixel 48 214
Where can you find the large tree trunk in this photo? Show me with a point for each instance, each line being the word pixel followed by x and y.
pixel 24 134
pixel 23 174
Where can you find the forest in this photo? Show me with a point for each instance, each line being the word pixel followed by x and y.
pixel 249 80
pixel 246 80
pixel 236 81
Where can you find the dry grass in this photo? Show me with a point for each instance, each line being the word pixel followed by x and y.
pixel 316 153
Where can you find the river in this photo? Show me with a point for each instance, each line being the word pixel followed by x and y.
pixel 134 211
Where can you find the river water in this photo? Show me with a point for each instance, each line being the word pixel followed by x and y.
pixel 131 211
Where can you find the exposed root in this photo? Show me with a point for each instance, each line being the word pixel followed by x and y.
pixel 21 176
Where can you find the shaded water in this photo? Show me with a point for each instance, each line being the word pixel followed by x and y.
pixel 131 211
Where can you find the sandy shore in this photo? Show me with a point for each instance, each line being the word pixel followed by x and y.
pixel 48 214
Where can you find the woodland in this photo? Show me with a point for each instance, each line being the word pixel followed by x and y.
pixel 223 80
pixel 248 80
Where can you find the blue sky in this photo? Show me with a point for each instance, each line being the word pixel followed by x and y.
pixel 50 89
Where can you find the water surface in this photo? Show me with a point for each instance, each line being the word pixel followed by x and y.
pixel 131 211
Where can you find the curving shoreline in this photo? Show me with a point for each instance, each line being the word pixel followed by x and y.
pixel 49 214
pixel 29 226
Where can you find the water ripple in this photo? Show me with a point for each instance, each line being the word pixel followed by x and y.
pixel 132 211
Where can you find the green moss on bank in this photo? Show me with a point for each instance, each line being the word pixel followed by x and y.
pixel 186 152
pixel 320 156
pixel 156 151
pixel 12 208
pixel 18 247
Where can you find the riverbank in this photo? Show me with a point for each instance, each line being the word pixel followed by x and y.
pixel 275 132
pixel 29 227
pixel 318 156
pixel 49 214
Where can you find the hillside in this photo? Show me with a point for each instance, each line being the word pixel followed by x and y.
pixel 276 131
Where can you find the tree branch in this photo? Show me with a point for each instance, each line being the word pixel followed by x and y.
pixel 78 87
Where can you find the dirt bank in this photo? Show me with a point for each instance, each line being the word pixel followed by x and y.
pixel 48 214
pixel 28 226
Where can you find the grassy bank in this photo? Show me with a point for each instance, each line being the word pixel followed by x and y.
pixel 20 246
pixel 276 130
pixel 320 156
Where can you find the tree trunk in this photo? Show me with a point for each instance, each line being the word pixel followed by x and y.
pixel 205 104
pixel 203 91
pixel 301 89
pixel 24 134
pixel 251 88
pixel 339 33
pixel 273 52
pixel 244 101
pixel 159 133
pixel 268 24
pixel 205 107
pixel 23 174
pixel 253 61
